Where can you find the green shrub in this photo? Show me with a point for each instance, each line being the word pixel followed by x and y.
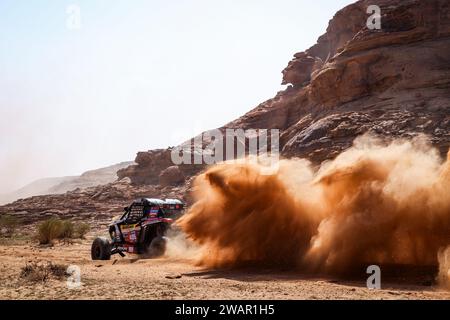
pixel 55 228
pixel 81 229
pixel 50 230
pixel 67 229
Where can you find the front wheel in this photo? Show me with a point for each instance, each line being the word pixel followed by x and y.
pixel 101 249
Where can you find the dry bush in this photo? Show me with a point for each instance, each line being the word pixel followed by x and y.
pixel 81 229
pixel 42 272
pixel 57 270
pixel 55 228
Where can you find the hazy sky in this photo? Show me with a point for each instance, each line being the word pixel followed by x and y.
pixel 137 75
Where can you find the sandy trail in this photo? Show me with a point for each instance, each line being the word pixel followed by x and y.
pixel 164 278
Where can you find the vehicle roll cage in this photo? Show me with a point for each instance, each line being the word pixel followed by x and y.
pixel 145 204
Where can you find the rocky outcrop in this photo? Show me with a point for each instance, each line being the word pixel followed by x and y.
pixel 148 167
pixel 171 176
pixel 299 70
pixel 156 166
pixel 393 82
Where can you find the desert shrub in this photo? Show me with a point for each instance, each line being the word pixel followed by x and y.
pixel 67 230
pixel 50 230
pixel 55 228
pixel 41 272
pixel 81 229
pixel 34 272
pixel 57 270
pixel 8 224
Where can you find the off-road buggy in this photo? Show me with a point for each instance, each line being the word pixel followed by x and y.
pixel 140 229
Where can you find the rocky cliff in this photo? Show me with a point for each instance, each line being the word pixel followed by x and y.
pixel 393 82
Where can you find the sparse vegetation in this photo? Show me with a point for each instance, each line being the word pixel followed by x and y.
pixel 81 229
pixel 67 229
pixel 16 239
pixel 55 228
pixel 8 225
pixel 41 272
pixel 49 230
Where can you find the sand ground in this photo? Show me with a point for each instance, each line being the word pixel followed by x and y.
pixel 169 278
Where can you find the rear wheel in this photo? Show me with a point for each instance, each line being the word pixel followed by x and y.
pixel 155 242
pixel 101 249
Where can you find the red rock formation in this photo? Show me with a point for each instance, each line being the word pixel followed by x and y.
pixel 393 82
pixel 171 176
pixel 148 166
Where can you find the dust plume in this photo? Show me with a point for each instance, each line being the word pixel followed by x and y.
pixel 375 203
pixel 179 247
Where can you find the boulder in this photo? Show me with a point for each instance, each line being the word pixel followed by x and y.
pixel 171 176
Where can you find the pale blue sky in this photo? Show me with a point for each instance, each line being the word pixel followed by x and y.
pixel 138 75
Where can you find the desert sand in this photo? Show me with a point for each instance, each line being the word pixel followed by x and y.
pixel 169 278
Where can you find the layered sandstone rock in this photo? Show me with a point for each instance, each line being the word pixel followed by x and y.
pixel 393 82
pixel 171 176
pixel 148 166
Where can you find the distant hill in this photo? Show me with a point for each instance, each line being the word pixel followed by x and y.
pixel 58 185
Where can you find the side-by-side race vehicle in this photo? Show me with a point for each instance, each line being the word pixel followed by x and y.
pixel 140 230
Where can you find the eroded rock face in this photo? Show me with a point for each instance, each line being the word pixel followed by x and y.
pixel 148 167
pixel 171 176
pixel 156 166
pixel 299 70
pixel 393 82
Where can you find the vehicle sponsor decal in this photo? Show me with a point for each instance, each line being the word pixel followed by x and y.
pixel 129 226
pixel 152 220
